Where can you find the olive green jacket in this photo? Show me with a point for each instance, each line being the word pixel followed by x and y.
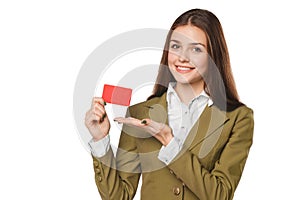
pixel 208 167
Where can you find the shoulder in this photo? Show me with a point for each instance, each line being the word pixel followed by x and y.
pixel 242 113
pixel 241 110
pixel 145 103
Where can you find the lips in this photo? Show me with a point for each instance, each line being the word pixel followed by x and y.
pixel 184 69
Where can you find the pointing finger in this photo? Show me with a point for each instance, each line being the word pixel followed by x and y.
pixel 153 126
pixel 128 121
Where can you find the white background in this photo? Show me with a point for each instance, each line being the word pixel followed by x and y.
pixel 43 45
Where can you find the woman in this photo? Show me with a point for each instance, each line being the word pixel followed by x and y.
pixel 191 138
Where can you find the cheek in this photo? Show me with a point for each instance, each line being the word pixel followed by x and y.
pixel 171 58
pixel 200 62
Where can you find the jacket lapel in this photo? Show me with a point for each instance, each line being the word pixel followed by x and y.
pixel 157 110
pixel 204 130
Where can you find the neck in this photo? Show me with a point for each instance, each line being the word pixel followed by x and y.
pixel 186 92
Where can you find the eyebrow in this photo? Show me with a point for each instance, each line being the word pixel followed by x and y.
pixel 193 43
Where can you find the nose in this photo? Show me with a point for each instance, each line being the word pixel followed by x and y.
pixel 183 57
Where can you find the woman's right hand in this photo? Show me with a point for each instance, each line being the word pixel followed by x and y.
pixel 96 119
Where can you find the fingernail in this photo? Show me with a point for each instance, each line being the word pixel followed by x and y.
pixel 104 103
pixel 117 121
pixel 144 121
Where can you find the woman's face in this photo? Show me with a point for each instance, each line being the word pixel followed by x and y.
pixel 187 55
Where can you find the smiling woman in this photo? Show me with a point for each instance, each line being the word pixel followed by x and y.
pixel 191 138
pixel 205 28
pixel 187 60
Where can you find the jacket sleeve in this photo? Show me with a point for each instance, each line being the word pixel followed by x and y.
pixel 220 182
pixel 117 177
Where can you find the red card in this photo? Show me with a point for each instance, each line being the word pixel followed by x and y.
pixel 116 95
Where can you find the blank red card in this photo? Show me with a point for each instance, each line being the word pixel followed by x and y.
pixel 117 95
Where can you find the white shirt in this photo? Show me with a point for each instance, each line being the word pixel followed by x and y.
pixel 181 119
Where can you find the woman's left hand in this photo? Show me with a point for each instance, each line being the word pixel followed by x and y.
pixel 160 131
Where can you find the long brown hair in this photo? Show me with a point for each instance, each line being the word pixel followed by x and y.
pixel 223 90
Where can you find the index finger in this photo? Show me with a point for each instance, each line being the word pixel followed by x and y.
pixel 98 100
pixel 129 121
pixel 153 124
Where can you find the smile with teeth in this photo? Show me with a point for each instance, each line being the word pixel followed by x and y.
pixel 184 69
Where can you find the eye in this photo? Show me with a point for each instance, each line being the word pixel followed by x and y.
pixel 175 46
pixel 197 49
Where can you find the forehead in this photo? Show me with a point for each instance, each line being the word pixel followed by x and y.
pixel 189 33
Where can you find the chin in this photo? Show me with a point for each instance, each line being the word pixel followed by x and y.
pixel 183 81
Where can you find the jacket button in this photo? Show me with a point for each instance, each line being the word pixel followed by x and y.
pixel 176 190
pixel 97 171
pixel 99 178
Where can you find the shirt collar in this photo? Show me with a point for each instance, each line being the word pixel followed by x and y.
pixel 171 91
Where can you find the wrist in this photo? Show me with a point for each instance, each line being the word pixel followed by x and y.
pixel 168 138
pixel 98 138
